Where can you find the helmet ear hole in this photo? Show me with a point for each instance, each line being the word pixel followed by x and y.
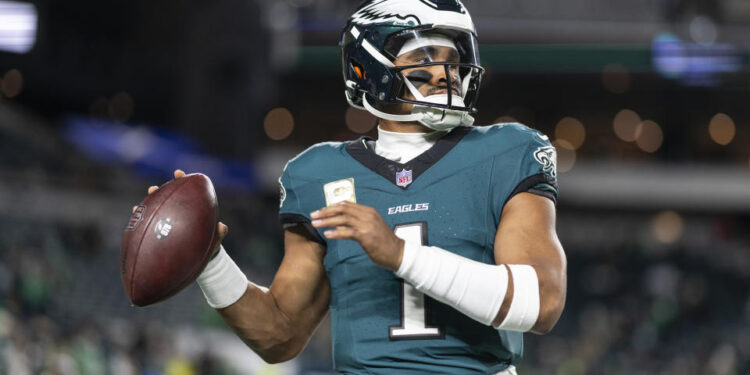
pixel 359 71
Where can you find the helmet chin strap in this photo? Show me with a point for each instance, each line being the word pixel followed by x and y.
pixel 442 119
pixel 433 118
pixel 389 116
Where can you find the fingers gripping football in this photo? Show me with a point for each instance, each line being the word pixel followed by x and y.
pixel 363 224
pixel 221 228
pixel 178 173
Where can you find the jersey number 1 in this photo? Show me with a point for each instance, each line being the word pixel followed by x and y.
pixel 413 312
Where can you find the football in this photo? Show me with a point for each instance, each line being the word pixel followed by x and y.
pixel 167 241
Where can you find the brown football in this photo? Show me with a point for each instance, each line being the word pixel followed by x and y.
pixel 167 241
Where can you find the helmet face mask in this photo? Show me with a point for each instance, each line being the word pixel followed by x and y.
pixel 420 51
pixel 386 60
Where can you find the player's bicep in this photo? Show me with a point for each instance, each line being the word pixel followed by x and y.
pixel 301 286
pixel 526 233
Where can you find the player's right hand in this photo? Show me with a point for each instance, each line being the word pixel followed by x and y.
pixel 221 228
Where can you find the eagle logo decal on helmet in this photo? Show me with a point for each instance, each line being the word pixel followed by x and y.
pixel 440 4
pixel 376 12
pixel 401 12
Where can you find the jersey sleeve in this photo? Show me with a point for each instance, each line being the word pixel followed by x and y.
pixel 538 169
pixel 528 164
pixel 293 209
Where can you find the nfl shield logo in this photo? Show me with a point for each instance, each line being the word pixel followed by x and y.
pixel 403 178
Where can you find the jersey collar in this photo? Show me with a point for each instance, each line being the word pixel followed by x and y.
pixel 403 175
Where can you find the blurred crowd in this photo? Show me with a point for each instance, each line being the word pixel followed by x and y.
pixel 638 307
pixel 632 308
pixel 40 334
pixel 63 311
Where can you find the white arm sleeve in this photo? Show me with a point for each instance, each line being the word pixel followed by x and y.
pixel 473 288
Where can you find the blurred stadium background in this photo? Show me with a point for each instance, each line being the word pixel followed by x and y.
pixel 647 102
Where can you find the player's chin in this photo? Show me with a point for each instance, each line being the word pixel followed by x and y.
pixel 443 91
pixel 399 108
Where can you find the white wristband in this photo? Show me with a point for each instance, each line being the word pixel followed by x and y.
pixel 222 281
pixel 524 309
pixel 474 288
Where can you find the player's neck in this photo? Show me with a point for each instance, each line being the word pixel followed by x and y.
pixel 403 127
pixel 404 146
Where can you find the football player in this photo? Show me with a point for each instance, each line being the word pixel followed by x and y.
pixel 434 246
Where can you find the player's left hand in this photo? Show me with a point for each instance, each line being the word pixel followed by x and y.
pixel 365 225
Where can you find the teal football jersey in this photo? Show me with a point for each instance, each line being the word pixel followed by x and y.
pixel 451 196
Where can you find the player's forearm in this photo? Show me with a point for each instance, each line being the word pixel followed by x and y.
pixel 550 278
pixel 263 327
pixel 552 293
pixel 275 323
pixel 516 297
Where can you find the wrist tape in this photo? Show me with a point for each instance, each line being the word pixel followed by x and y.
pixel 473 288
pixel 222 281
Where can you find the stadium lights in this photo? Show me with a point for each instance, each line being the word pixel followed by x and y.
pixel 571 130
pixel 566 155
pixel 18 25
pixel 278 124
pixel 650 136
pixel 625 125
pixel 721 129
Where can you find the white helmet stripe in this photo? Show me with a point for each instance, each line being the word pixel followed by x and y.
pixel 466 81
pixel 413 89
pixel 372 50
